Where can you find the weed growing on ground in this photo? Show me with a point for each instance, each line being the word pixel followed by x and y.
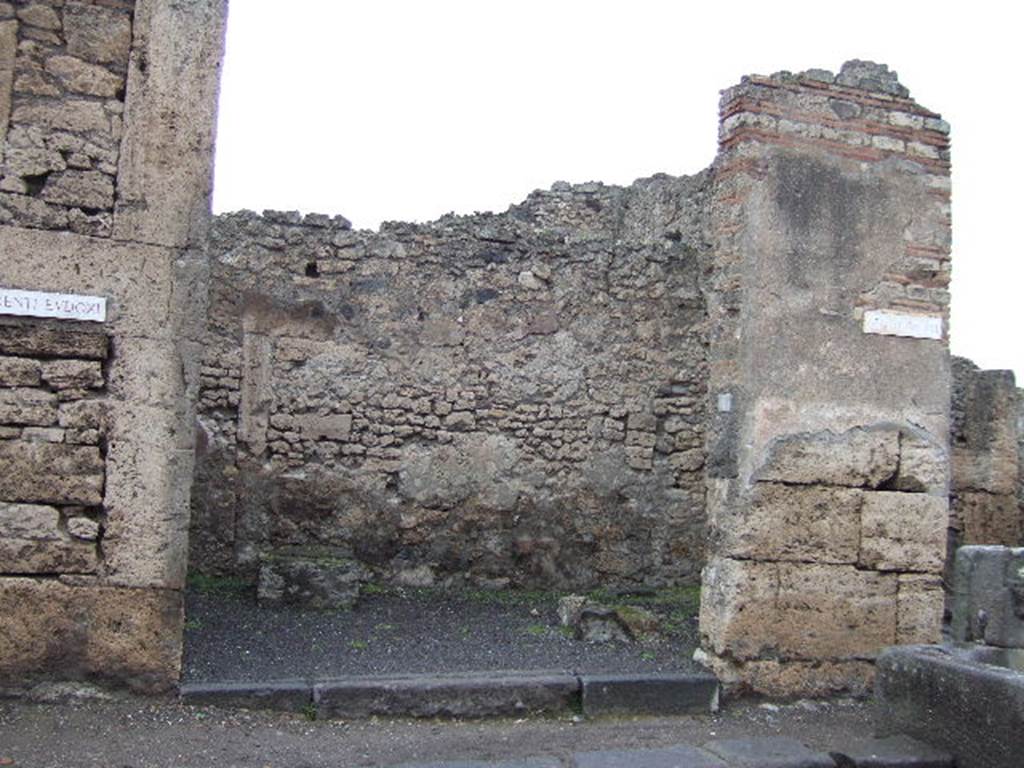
pixel 358 645
pixel 537 630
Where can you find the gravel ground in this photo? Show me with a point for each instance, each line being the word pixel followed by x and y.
pixel 229 638
pixel 127 732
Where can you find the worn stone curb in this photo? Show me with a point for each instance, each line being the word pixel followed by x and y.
pixel 649 694
pixel 468 695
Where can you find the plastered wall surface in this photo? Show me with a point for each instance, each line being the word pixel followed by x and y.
pixel 96 418
pixel 511 399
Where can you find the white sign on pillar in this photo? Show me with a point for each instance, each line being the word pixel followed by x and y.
pixel 63 306
pixel 907 324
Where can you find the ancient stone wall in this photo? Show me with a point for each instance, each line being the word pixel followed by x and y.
pixel 985 495
pixel 829 375
pixel 106 122
pixel 499 399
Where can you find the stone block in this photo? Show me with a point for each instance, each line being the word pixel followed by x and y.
pixel 919 609
pixel 737 606
pixel 97 34
pixel 52 341
pixel 28 407
pixel 19 372
pixel 939 696
pixel 650 694
pixel 72 374
pixel 51 473
pixel 856 458
pixel 82 77
pixel 165 173
pixel 891 752
pixel 923 467
pixel 65 115
pixel 767 752
pixel 526 762
pixel 84 189
pixel 55 631
pixel 903 532
pixel 39 15
pixel 833 612
pixel 786 522
pixel 321 580
pixel 278 695
pixel 8 53
pixel 989 518
pixel 988 596
pixel 332 427
pixel 445 696
pixel 83 414
pixel 786 679
pixel 149 475
pixel 797 611
pixel 31 542
pixel 663 757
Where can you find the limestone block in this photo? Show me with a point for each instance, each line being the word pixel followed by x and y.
pixel 166 163
pixel 989 518
pixel 903 531
pixel 51 341
pixel 19 372
pixel 43 434
pixel 85 189
pixel 8 53
pixel 65 115
pixel 84 415
pixel 856 458
pixel 737 606
pixel 138 280
pixel 919 609
pixel 988 602
pixel 28 406
pixel 923 466
pixel 785 522
pixel 72 374
pixel 833 612
pixel 31 542
pixel 787 679
pixel 54 631
pixel 97 34
pixel 81 77
pixel 332 427
pixel 51 473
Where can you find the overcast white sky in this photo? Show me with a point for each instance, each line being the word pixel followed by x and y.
pixel 405 110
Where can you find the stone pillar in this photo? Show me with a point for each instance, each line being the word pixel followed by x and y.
pixel 828 466
pixel 104 192
pixel 986 477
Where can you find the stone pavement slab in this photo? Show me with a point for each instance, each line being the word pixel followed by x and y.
pixel 680 756
pixel 891 752
pixel 539 762
pixel 768 752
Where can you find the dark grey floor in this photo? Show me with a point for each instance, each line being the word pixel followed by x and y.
pixel 229 638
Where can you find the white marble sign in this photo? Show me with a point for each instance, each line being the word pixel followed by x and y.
pixel 889 323
pixel 65 306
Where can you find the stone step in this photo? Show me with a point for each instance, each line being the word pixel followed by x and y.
pixel 473 695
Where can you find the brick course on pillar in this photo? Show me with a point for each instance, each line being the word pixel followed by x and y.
pixel 828 460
